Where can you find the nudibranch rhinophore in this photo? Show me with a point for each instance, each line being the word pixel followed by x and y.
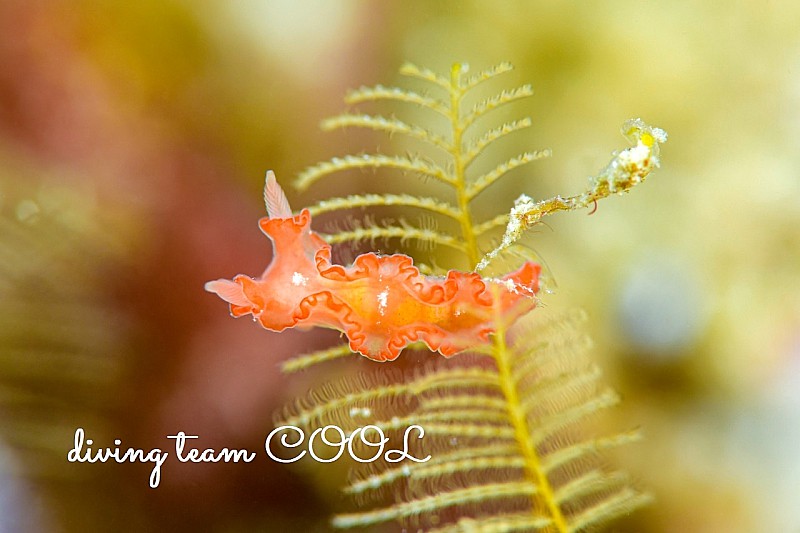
pixel 381 303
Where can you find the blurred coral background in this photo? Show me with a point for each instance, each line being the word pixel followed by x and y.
pixel 134 137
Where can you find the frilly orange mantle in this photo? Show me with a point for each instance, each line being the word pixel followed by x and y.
pixel 381 303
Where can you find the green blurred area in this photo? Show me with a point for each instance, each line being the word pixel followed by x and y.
pixel 134 138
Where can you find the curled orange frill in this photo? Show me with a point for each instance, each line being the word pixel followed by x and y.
pixel 382 302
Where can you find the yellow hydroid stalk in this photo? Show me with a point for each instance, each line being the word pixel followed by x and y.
pixel 543 497
pixel 462 198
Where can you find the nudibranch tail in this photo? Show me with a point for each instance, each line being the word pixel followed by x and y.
pixel 382 303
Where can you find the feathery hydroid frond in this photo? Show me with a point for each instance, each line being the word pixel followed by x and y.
pixel 490 104
pixel 348 162
pixel 379 92
pixel 485 75
pixel 405 232
pixel 413 71
pixel 477 146
pixel 627 169
pixel 460 149
pixel 387 125
pixel 485 180
pixel 375 200
pixel 502 440
pixel 503 425
pixel 304 361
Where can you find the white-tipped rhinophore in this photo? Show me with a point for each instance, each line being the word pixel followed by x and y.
pixel 275 199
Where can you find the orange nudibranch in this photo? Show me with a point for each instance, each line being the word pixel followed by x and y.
pixel 381 303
